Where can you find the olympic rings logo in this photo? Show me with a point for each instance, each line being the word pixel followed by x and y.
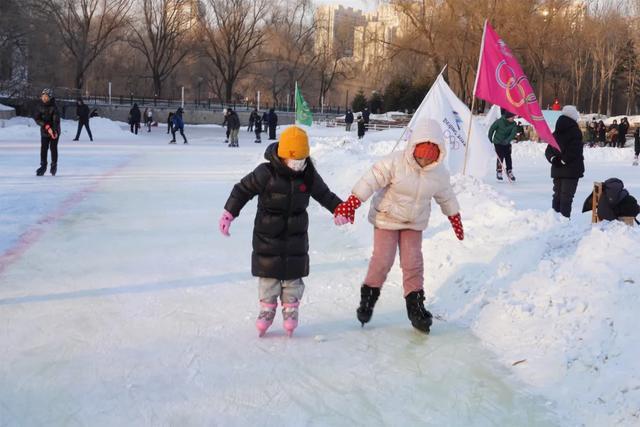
pixel 515 89
pixel 454 143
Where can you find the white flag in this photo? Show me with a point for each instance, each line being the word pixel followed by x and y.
pixel 442 105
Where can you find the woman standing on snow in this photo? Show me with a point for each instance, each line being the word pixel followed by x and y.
pixel 404 183
pixel 567 165
pixel 280 256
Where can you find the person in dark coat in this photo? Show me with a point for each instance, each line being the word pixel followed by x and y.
pixel 567 165
pixel 82 114
pixel 170 122
pixel 273 123
pixel 233 127
pixel 602 133
pixel 636 145
pixel 258 128
pixel 48 118
pixel 362 127
pixel 365 115
pixel 134 118
pixel 265 122
pixel 178 125
pixel 622 132
pixel 280 259
pixel 252 119
pixel 348 119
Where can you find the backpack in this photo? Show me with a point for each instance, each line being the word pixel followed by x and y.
pixel 614 202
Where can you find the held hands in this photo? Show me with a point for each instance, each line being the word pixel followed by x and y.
pixel 346 211
pixel 225 222
pixel 50 131
pixel 456 223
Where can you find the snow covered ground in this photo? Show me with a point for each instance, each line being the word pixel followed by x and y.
pixel 121 304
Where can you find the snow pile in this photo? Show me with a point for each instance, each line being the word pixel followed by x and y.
pixel 555 299
pixel 5 108
pixel 25 128
pixel 533 153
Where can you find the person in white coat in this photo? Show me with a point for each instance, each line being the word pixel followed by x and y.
pixel 402 185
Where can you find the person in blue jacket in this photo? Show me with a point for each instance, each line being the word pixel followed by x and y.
pixel 178 124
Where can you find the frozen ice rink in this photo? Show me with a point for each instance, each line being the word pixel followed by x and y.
pixel 122 304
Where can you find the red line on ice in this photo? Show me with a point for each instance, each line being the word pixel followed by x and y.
pixel 37 230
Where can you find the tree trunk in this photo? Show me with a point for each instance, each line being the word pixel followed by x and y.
pixel 157 85
pixel 609 96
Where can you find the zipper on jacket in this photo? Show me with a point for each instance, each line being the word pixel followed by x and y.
pixel 286 224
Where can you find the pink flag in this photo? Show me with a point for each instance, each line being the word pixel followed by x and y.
pixel 501 81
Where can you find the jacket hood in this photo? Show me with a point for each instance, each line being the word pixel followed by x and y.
pixel 565 123
pixel 271 155
pixel 427 130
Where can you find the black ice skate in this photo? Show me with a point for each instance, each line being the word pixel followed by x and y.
pixel 54 169
pixel 41 170
pixel 419 316
pixel 368 298
pixel 510 176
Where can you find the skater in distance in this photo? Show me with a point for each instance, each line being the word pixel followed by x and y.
pixel 48 119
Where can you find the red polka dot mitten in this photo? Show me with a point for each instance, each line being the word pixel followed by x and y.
pixel 456 223
pixel 348 209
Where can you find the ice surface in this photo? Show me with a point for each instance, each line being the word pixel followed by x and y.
pixel 121 303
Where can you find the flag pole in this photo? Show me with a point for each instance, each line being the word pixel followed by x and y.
pixel 473 99
pixel 416 112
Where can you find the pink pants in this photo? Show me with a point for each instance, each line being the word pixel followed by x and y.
pixel 385 243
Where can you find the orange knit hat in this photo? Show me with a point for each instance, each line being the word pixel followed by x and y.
pixel 427 150
pixel 293 144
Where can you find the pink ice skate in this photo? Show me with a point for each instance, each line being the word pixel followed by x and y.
pixel 290 316
pixel 265 318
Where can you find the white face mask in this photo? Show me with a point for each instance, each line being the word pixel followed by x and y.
pixel 296 165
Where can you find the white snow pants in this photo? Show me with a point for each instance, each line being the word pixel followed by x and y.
pixel 289 291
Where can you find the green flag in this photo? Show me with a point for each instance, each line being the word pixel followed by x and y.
pixel 303 113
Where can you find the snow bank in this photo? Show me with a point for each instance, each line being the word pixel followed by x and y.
pixel 555 299
pixel 5 108
pixel 25 128
pixel 533 153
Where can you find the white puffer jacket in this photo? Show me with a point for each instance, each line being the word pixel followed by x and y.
pixel 403 190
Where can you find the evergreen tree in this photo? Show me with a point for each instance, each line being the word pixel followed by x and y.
pixel 359 101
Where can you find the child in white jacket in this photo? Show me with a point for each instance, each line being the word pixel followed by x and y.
pixel 404 183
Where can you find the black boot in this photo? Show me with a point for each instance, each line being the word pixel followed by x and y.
pixel 54 169
pixel 419 316
pixel 368 298
pixel 41 170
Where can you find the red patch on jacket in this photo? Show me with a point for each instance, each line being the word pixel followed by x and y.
pixel 303 188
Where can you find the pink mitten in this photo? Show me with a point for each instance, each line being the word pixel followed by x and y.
pixel 340 220
pixel 225 222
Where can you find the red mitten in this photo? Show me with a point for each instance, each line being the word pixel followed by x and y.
pixel 50 131
pixel 456 223
pixel 348 209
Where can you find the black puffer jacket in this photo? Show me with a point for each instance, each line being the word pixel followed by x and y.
pixel 280 240
pixel 48 115
pixel 82 111
pixel 570 162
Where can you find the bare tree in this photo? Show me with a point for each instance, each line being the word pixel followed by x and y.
pixel 87 27
pixel 290 52
pixel 161 38
pixel 234 33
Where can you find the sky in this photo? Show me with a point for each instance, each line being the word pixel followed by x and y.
pixel 365 5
